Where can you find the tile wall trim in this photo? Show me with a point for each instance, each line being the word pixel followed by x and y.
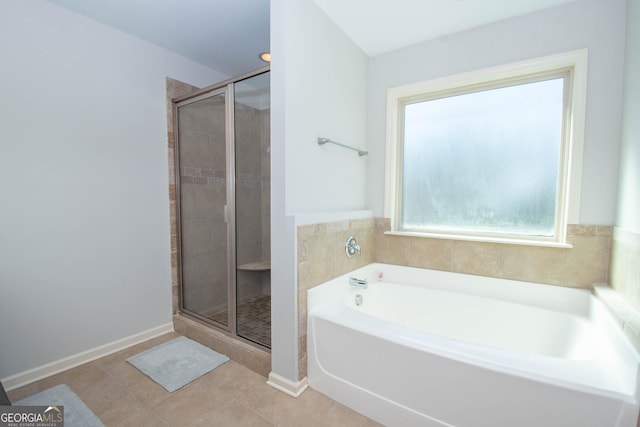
pixel 622 293
pixel 624 276
pixel 626 316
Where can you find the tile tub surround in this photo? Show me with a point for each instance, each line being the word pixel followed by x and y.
pixel 625 266
pixel 587 262
pixel 626 316
pixel 622 295
pixel 321 257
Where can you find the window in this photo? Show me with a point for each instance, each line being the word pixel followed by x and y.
pixel 488 155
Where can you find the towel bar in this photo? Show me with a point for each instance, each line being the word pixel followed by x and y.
pixel 322 141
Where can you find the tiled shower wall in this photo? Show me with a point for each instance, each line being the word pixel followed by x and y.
pixel 252 197
pixel 625 265
pixel 175 88
pixel 321 257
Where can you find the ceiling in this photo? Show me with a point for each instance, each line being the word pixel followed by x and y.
pixel 380 26
pixel 228 35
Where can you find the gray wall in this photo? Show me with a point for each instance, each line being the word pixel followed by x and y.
pixel 84 223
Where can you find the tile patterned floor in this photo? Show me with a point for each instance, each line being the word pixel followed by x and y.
pixel 254 319
pixel 229 396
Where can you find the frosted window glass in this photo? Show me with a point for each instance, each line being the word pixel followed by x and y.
pixel 485 161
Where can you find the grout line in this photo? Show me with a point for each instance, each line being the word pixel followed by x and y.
pixel 126 387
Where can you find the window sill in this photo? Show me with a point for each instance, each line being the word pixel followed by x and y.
pixel 483 239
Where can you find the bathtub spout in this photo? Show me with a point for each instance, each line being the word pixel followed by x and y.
pixel 358 283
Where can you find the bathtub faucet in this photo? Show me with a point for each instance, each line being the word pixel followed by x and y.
pixel 352 247
pixel 358 283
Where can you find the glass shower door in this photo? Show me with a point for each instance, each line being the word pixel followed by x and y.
pixel 253 236
pixel 223 200
pixel 203 200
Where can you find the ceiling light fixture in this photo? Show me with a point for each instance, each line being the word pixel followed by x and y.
pixel 265 56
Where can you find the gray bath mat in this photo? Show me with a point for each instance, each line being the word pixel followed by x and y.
pixel 176 363
pixel 76 413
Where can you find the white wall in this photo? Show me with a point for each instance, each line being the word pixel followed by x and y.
pixel 629 195
pixel 326 90
pixel 318 86
pixel 284 331
pixel 84 222
pixel 595 24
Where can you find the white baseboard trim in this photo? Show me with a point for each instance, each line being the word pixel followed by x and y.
pixel 35 374
pixel 292 388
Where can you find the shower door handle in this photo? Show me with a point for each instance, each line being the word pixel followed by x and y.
pixel 226 214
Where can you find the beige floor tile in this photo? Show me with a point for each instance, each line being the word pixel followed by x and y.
pixel 235 380
pixel 135 349
pixel 161 339
pixel 253 392
pixel 130 414
pixel 75 378
pixel 22 392
pixel 286 411
pixel 103 394
pixel 192 404
pixel 251 389
pixel 270 404
pixel 124 372
pixel 340 415
pixel 230 395
pixel 235 414
pixel 117 356
pixel 148 392
pixel 311 406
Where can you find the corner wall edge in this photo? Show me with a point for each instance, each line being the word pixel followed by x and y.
pixel 285 385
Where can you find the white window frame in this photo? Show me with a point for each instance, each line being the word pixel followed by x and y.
pixel 568 205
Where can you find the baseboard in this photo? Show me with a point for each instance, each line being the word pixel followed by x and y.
pixel 35 374
pixel 287 386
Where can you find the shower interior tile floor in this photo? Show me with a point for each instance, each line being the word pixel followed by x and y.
pixel 230 395
pixel 254 319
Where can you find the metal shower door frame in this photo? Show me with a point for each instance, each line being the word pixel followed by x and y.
pixel 229 209
pixel 226 88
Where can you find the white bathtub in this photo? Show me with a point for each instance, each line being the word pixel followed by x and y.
pixel 430 348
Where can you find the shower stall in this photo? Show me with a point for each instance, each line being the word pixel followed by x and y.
pixel 223 199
